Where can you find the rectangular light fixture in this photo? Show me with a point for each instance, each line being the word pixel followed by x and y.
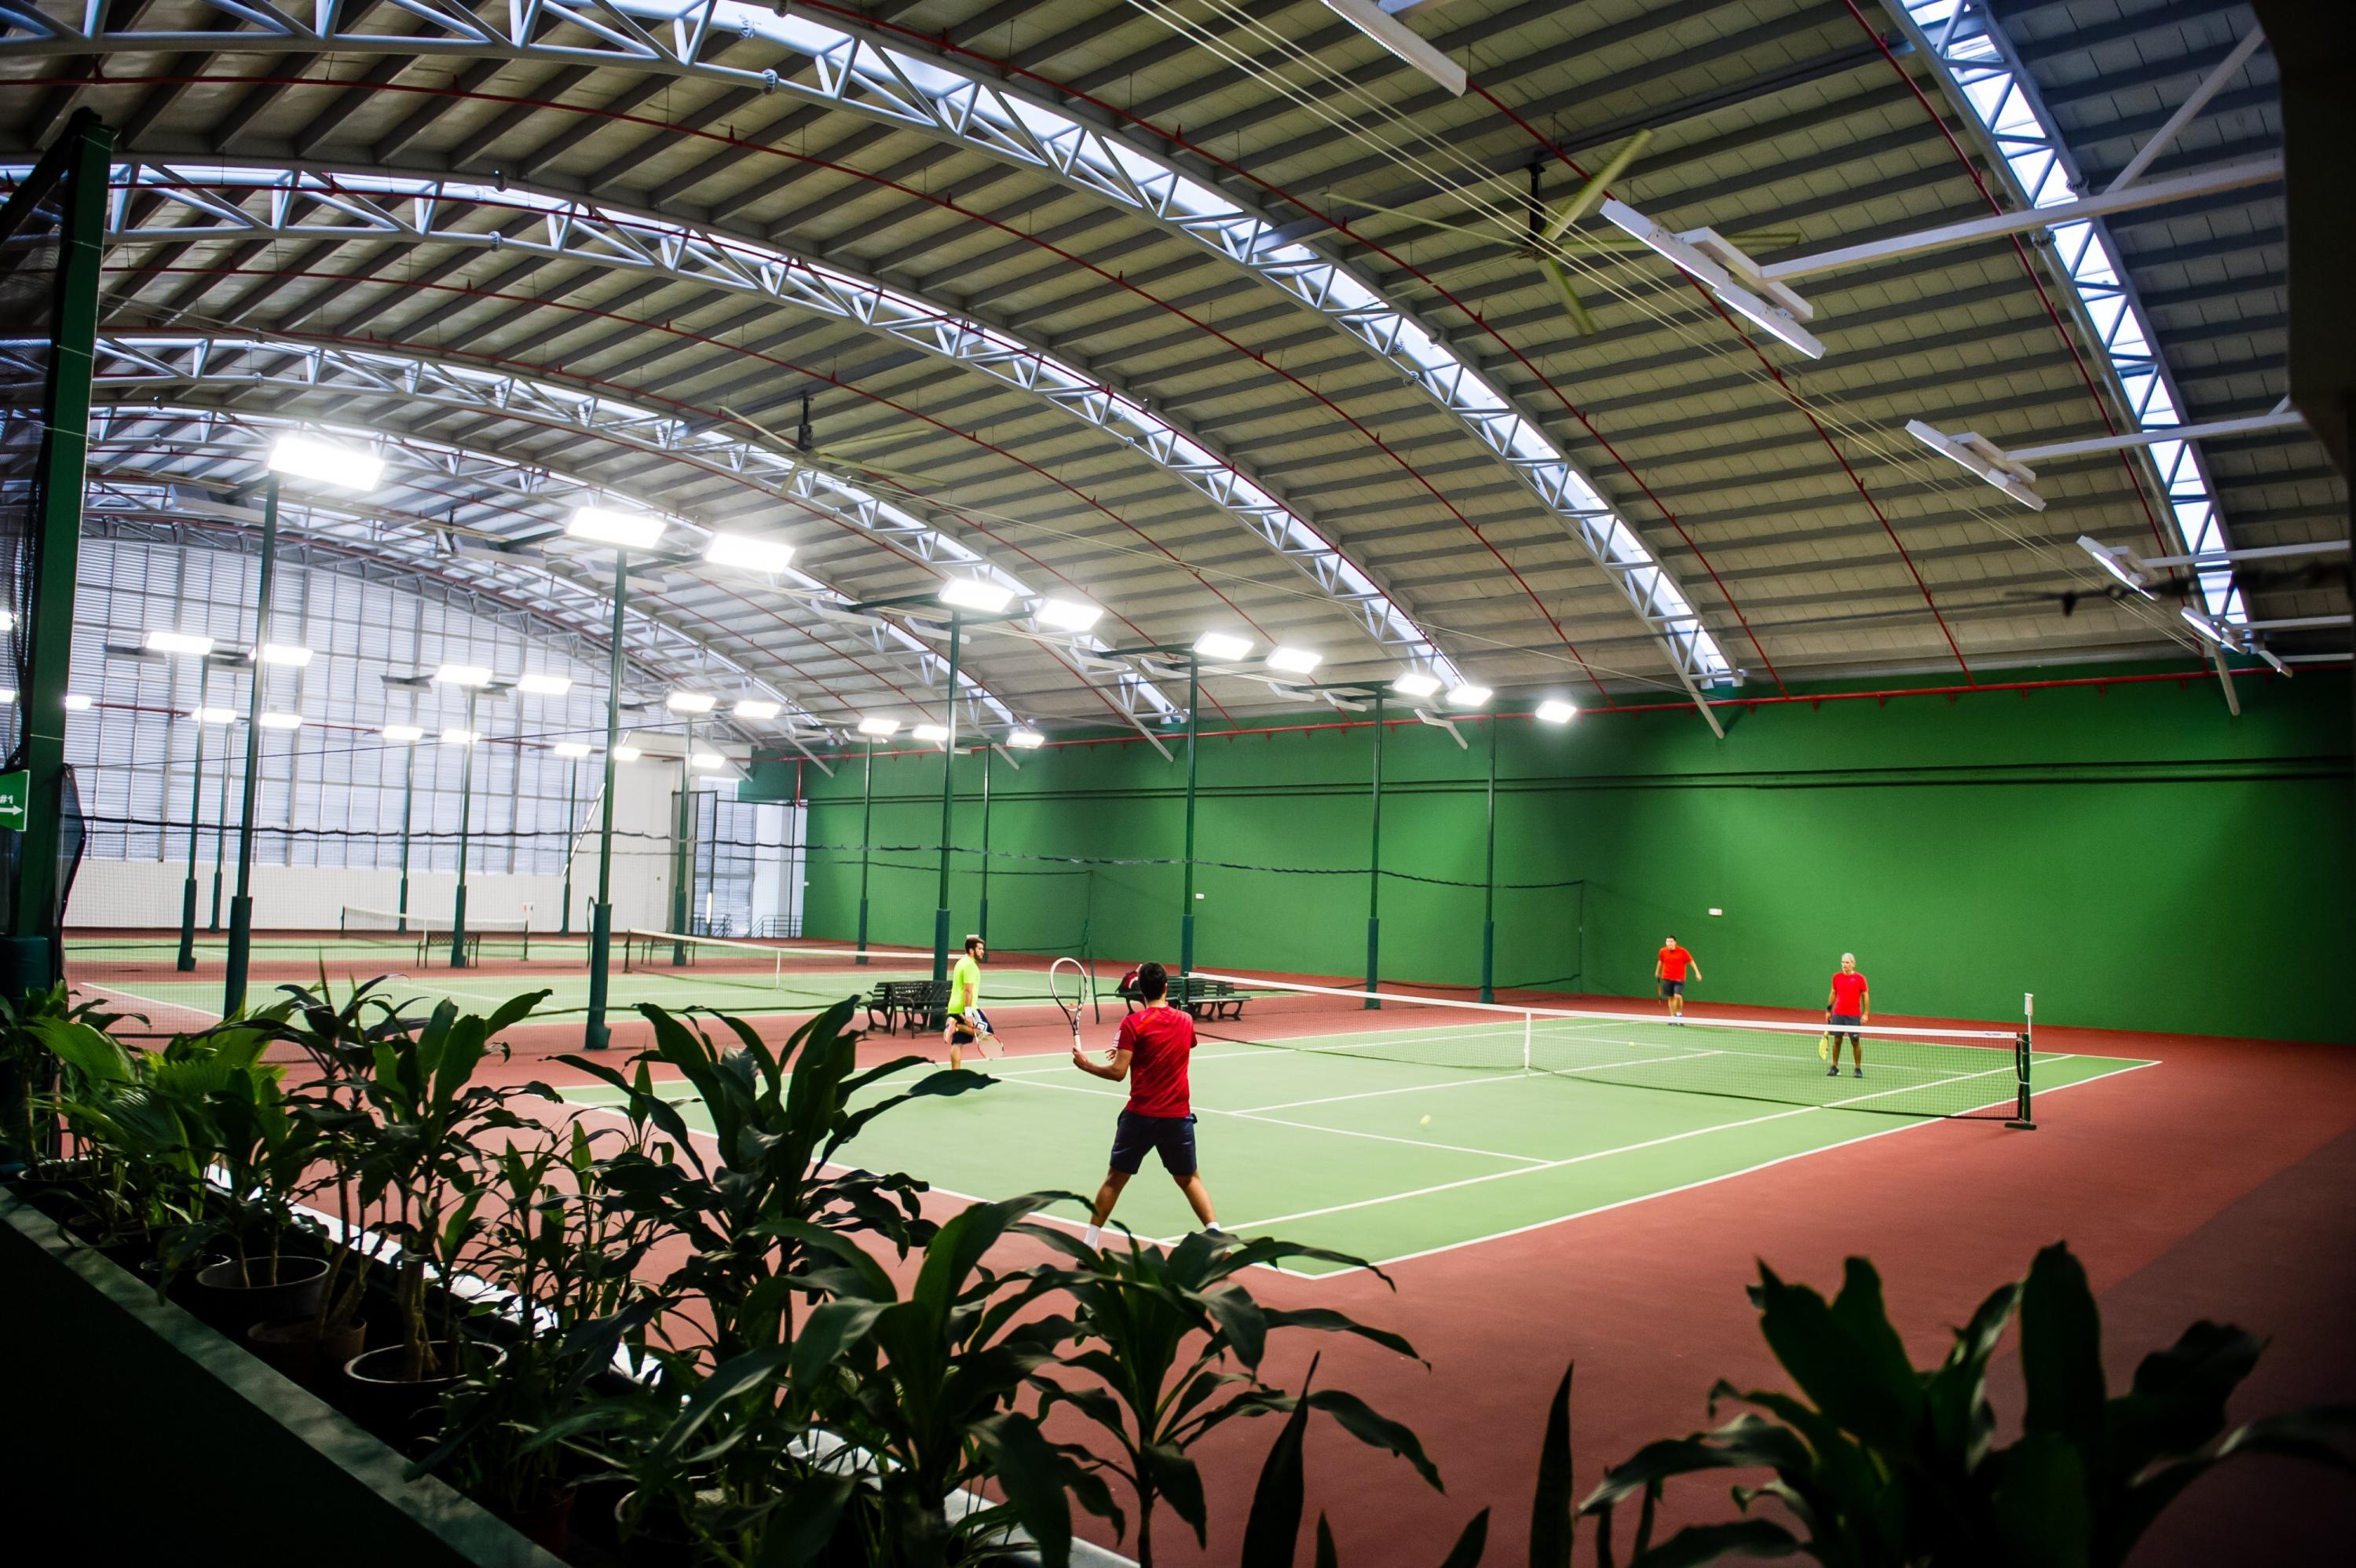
pixel 2114 562
pixel 881 729
pixel 1293 661
pixel 77 702
pixel 1222 646
pixel 932 734
pixel 281 722
pixel 708 760
pixel 457 736
pixel 604 525
pixel 1066 614
pixel 973 593
pixel 691 702
pixel 7 695
pixel 572 750
pixel 757 708
pixel 1555 711
pixel 1416 683
pixel 627 753
pixel 1374 19
pixel 750 554
pixel 290 655
pixel 1469 696
pixel 213 715
pixel 404 734
pixel 464 674
pixel 2220 634
pixel 1027 740
pixel 1707 255
pixel 8 620
pixel 178 643
pixel 542 685
pixel 346 467
pixel 1984 460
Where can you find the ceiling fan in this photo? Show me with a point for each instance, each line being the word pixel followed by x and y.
pixel 843 456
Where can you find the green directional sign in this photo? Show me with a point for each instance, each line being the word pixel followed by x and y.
pixel 15 793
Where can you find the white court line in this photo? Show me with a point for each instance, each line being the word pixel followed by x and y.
pixel 151 1001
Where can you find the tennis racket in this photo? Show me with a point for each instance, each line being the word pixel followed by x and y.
pixel 1823 1045
pixel 1069 993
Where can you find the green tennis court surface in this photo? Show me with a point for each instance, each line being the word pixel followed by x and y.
pixel 1333 1148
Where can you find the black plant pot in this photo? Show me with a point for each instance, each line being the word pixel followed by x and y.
pixel 660 1541
pixel 399 1410
pixel 294 1346
pixel 233 1299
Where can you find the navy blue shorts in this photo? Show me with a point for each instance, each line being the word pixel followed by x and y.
pixel 965 1032
pixel 1845 1023
pixel 1673 987
pixel 1172 1137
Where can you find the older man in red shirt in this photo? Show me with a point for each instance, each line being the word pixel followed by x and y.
pixel 1670 969
pixel 1847 1009
pixel 1150 1052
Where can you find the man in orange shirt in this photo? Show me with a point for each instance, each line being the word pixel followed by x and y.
pixel 1845 1011
pixel 1670 970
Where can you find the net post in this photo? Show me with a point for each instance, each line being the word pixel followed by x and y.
pixel 1529 1022
pixel 2022 1055
pixel 1374 949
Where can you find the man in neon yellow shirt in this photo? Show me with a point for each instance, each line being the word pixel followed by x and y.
pixel 968 1023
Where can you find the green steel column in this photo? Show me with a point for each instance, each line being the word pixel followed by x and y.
pixel 948 804
pixel 1186 918
pixel 408 796
pixel 981 925
pixel 1489 877
pixel 1374 876
pixel 188 960
pixel 33 914
pixel 682 897
pixel 466 812
pixel 241 904
pixel 571 841
pixel 220 835
pixel 600 915
pixel 866 833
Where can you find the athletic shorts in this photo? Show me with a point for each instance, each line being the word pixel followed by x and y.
pixel 1171 1137
pixel 1845 1023
pixel 1673 987
pixel 971 1027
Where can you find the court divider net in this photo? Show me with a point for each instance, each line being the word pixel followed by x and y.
pixel 1906 1071
pixel 811 974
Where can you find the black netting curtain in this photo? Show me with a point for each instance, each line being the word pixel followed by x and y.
pixel 29 257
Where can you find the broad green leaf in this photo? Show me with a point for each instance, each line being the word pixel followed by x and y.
pixel 1471 1545
pixel 2061 1352
pixel 1362 1422
pixel 1553 1526
pixel 1032 1474
pixel 1274 1525
pixel 2043 1514
pixel 1714 1543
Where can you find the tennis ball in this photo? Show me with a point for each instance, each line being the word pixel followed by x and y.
pixel 1426 1121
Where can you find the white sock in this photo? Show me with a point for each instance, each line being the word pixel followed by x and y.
pixel 1093 1234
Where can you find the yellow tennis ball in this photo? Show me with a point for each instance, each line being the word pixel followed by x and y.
pixel 1426 1121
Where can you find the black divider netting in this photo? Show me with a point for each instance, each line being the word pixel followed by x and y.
pixel 29 257
pixel 1906 1072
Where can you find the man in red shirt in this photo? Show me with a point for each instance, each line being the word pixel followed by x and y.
pixel 1845 1011
pixel 1150 1051
pixel 1669 969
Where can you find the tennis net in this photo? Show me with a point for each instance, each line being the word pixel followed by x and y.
pixel 1906 1071
pixel 812 974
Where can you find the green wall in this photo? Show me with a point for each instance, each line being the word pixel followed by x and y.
pixel 2132 854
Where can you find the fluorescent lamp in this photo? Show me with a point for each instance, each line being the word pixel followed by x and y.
pixel 881 729
pixel 1027 740
pixel 932 734
pixel 1553 710
pixel 973 593
pixel 708 760
pixel 543 685
pixel 178 643
pixel 690 701
pixel 1718 264
pixel 457 736
pixel 403 734
pixel 1416 683
pixel 8 620
pixel 7 695
pixel 1984 460
pixel 292 656
pixel 572 750
pixel 1066 614
pixel 464 674
pixel 603 525
pixel 1469 696
pixel 213 715
pixel 751 554
pixel 1221 646
pixel 346 467
pixel 281 722
pixel 756 708
pixel 1373 18
pixel 76 702
pixel 2114 562
pixel 1294 661
pixel 2221 635
pixel 627 753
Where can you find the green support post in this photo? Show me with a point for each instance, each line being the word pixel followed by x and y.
pixel 596 1037
pixel 682 896
pixel 1489 879
pixel 81 157
pixel 866 837
pixel 1374 876
pixel 981 924
pixel 220 835
pixel 408 798
pixel 948 808
pixel 466 812
pixel 187 959
pixel 572 841
pixel 1187 919
pixel 241 904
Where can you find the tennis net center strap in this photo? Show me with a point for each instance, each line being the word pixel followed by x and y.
pixel 1904 1070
